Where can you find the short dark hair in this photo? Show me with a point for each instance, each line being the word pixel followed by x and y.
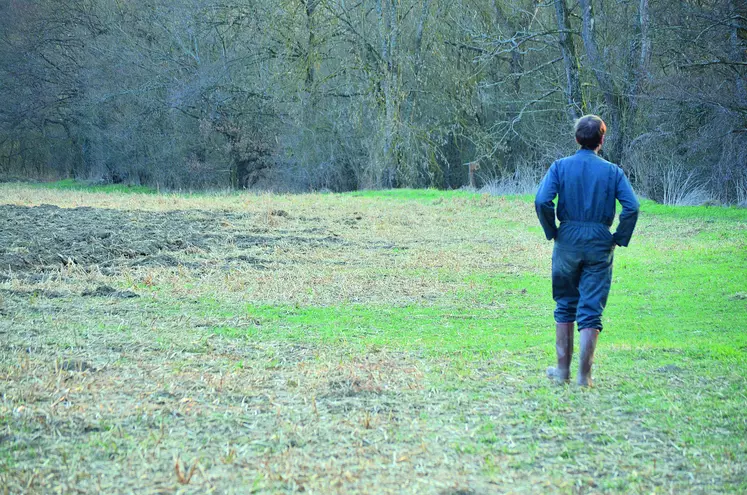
pixel 590 130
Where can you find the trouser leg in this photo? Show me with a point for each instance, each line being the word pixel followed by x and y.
pixel 594 288
pixel 566 272
pixel 565 277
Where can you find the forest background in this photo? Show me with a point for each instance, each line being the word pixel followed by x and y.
pixel 298 95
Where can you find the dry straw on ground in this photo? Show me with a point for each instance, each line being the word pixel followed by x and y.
pixel 115 380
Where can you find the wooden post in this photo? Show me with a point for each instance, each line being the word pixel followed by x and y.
pixel 472 167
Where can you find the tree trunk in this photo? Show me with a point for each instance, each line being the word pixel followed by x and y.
pixel 641 71
pixel 738 52
pixel 616 128
pixel 387 29
pixel 574 99
pixel 311 42
pixel 418 57
pixel 515 151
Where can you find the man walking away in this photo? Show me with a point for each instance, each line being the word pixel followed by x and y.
pixel 586 186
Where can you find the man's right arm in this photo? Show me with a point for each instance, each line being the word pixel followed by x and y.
pixel 544 204
pixel 629 216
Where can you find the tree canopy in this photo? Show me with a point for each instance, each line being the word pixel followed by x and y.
pixel 348 94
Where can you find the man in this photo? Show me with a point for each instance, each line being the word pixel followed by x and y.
pixel 586 186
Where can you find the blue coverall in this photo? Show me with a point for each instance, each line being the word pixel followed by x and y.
pixel 586 186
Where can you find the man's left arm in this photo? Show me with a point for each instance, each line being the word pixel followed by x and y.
pixel 629 215
pixel 544 202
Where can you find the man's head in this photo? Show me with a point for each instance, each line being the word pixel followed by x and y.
pixel 590 131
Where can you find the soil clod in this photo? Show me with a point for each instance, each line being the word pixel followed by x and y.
pixel 106 291
pixel 670 368
pixel 76 365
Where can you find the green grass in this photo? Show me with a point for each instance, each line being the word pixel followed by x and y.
pixel 420 195
pixel 708 213
pixel 74 185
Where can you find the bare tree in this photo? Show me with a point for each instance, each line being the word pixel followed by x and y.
pixel 341 94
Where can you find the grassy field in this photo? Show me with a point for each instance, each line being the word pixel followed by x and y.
pixel 374 342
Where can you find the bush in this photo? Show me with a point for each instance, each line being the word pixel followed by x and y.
pixel 524 180
pixel 681 188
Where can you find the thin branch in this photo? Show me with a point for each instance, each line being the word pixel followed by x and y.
pixel 713 62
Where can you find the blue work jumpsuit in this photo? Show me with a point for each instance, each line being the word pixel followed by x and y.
pixel 586 186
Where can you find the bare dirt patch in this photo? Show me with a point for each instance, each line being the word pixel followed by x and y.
pixel 45 238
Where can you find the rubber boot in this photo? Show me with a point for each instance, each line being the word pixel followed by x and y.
pixel 564 351
pixel 587 346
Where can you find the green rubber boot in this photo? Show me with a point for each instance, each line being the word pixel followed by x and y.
pixel 588 343
pixel 564 350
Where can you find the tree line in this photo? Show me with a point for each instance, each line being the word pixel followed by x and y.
pixel 348 94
